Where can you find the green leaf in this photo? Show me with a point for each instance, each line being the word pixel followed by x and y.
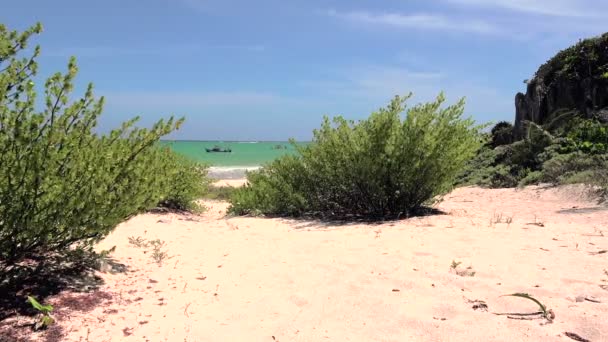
pixel 527 296
pixel 42 308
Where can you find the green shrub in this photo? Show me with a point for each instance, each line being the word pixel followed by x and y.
pixel 505 176
pixel 277 189
pixel 62 184
pixel 480 170
pixel 506 166
pixel 532 178
pixel 588 136
pixel 566 149
pixel 184 181
pixel 524 154
pixel 576 167
pixel 601 182
pixel 384 166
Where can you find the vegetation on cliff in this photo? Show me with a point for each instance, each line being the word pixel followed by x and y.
pixel 572 152
pixel 586 59
pixel 561 131
pixel 575 79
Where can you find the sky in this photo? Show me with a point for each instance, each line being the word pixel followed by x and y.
pixel 270 69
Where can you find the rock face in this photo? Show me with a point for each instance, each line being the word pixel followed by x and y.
pixel 575 79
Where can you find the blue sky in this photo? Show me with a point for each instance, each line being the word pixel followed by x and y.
pixel 270 69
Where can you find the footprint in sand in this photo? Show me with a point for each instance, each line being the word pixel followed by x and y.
pixel 299 301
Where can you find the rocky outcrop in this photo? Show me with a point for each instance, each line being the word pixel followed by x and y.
pixel 575 79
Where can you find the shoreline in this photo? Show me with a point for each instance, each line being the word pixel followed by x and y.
pixel 218 173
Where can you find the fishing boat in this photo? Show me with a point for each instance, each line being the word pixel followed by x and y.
pixel 218 149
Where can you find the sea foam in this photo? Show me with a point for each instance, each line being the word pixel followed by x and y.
pixel 230 172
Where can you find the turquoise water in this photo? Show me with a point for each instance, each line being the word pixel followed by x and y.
pixel 243 155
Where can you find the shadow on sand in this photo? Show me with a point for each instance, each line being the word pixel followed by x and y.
pixel 49 275
pixel 308 222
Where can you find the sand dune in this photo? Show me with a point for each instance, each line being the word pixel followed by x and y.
pixel 257 279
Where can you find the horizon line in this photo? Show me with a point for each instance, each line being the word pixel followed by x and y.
pixel 237 141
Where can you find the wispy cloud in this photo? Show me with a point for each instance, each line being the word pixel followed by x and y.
pixel 160 99
pixel 421 21
pixel 372 85
pixel 563 8
pixel 362 83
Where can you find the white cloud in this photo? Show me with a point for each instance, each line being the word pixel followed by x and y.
pixel 563 8
pixel 416 21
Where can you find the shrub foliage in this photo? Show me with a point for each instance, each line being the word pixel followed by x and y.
pixel 567 149
pixel 61 183
pixel 384 166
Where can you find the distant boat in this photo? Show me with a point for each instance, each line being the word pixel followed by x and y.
pixel 279 147
pixel 218 149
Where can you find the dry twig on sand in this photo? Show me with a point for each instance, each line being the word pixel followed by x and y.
pixel 576 337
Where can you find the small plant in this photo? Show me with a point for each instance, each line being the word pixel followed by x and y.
pixel 467 272
pixel 45 314
pixel 500 218
pixel 156 244
pixel 157 253
pixel 138 242
pixel 544 312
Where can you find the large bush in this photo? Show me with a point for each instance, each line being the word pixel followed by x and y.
pixel 61 183
pixel 384 166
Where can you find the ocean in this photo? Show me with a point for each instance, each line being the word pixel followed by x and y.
pixel 244 156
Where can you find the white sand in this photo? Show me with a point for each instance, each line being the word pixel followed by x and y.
pixel 230 182
pixel 256 279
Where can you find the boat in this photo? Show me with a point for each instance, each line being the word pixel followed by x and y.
pixel 218 149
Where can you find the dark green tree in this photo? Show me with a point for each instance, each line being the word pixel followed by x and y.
pixel 502 134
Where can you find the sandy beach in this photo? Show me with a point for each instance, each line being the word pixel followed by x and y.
pixel 286 171
pixel 260 279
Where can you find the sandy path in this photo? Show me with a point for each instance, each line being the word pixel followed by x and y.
pixel 256 279
pixel 230 182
